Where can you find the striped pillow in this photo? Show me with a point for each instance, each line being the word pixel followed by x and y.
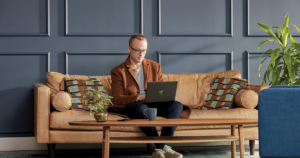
pixel 77 88
pixel 222 93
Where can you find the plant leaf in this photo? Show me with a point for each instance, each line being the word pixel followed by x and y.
pixel 285 34
pixel 276 73
pixel 260 64
pixel 268 30
pixel 263 42
pixel 269 70
pixel 286 20
pixel 296 28
pixel 297 46
pixel 278 28
pixel 264 79
pixel 297 82
pixel 293 41
pixel 291 70
pixel 278 35
pixel 274 54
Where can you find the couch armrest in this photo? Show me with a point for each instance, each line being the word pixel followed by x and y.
pixel 257 87
pixel 41 112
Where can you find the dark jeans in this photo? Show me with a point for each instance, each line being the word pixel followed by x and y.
pixel 166 109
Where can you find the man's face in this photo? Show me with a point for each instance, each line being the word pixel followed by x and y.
pixel 137 50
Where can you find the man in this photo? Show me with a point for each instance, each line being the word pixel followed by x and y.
pixel 129 85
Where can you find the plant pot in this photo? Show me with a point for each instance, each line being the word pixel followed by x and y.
pixel 101 116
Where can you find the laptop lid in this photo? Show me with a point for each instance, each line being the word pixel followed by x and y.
pixel 162 91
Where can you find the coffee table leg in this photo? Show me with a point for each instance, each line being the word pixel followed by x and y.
pixel 241 138
pixel 233 147
pixel 105 142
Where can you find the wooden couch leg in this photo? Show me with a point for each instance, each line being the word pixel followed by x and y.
pixel 51 150
pixel 148 148
pixel 252 146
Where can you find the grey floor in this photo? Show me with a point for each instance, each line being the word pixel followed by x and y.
pixel 188 152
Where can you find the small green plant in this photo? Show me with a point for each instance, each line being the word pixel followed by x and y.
pixel 97 100
pixel 285 60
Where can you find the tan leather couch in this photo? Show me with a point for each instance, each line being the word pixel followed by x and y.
pixel 52 126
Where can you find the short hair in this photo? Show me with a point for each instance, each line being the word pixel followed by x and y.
pixel 137 36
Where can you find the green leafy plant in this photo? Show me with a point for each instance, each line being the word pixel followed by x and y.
pixel 285 60
pixel 97 100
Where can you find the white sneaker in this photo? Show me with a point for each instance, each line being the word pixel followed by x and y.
pixel 158 153
pixel 170 153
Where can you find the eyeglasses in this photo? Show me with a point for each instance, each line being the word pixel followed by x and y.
pixel 139 51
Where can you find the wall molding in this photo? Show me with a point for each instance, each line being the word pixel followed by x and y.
pixel 248 25
pixel 248 63
pixel 88 53
pixel 31 53
pixel 196 34
pixel 159 54
pixel 67 33
pixel 47 34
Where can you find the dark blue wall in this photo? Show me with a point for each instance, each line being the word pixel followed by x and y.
pixel 90 37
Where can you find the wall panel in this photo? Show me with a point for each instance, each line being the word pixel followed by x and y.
pixel 272 13
pixel 195 18
pixel 176 62
pixel 103 17
pixel 19 71
pixel 99 63
pixel 252 67
pixel 24 18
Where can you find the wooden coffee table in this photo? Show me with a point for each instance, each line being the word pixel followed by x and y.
pixel 169 139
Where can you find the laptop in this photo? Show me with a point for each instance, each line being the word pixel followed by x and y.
pixel 163 91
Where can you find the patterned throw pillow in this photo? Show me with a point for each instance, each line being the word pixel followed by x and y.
pixel 222 93
pixel 77 88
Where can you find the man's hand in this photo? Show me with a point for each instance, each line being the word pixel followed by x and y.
pixel 140 98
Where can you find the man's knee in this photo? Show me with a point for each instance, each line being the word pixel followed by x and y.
pixel 141 107
pixel 176 105
pixel 137 110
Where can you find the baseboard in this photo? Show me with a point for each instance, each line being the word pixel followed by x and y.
pixel 30 143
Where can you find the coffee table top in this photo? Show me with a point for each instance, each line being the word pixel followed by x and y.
pixel 167 122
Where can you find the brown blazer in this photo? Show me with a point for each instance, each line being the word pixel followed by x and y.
pixel 125 88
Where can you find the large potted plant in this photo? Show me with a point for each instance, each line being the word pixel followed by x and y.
pixel 285 60
pixel 98 100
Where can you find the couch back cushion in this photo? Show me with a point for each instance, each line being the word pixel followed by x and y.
pixel 192 88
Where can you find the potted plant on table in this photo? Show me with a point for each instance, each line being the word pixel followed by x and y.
pixel 285 60
pixel 98 100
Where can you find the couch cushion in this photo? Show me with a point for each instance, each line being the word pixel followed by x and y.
pixel 234 113
pixel 60 120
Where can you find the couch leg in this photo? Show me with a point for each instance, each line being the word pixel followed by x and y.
pixel 51 150
pixel 252 146
pixel 148 148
